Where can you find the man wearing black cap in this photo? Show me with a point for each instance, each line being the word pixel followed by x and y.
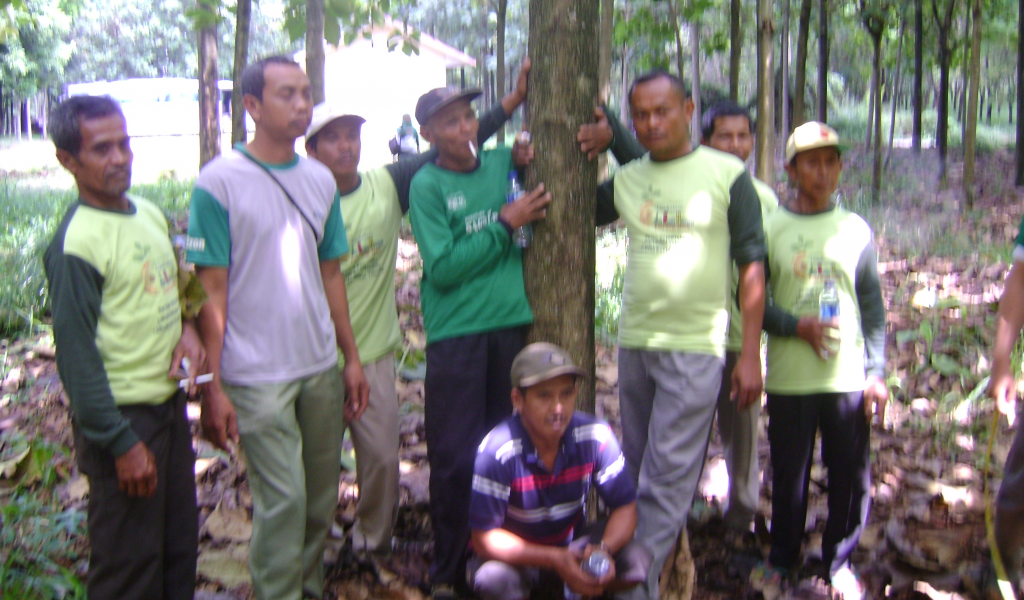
pixel 475 310
pixel 531 479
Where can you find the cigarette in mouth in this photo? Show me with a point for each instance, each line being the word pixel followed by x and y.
pixel 207 378
pixel 472 148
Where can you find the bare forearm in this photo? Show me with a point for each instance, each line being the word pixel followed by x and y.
pixel 751 301
pixel 511 101
pixel 1010 319
pixel 620 528
pixel 337 301
pixel 212 320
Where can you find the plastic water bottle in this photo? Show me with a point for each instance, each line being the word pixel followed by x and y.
pixel 597 564
pixel 524 235
pixel 828 310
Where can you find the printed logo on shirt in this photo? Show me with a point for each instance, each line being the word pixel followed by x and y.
pixel 478 220
pixel 195 244
pixel 455 201
pixel 809 262
pixel 669 218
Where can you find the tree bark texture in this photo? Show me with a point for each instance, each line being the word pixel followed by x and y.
pixel 800 85
pixel 765 142
pixel 944 25
pixel 876 119
pixel 735 48
pixel 559 267
pixel 897 89
pixel 971 125
pixel 209 96
pixel 604 67
pixel 823 41
pixel 499 53
pixel 784 60
pixel 315 48
pixel 243 16
pixel 919 75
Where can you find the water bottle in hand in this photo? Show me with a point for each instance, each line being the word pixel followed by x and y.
pixel 828 307
pixel 524 235
pixel 597 564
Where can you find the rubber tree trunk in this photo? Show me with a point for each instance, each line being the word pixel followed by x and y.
pixel 919 75
pixel 209 96
pixel 971 126
pixel 944 24
pixel 735 48
pixel 1020 96
pixel 823 41
pixel 876 119
pixel 243 16
pixel 315 48
pixel 604 68
pixel 695 80
pixel 559 267
pixel 800 85
pixel 499 54
pixel 897 89
pixel 787 91
pixel 765 142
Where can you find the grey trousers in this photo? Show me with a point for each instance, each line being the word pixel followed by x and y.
pixel 667 402
pixel 738 429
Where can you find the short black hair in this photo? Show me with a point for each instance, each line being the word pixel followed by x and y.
pixel 252 77
pixel 725 108
pixel 65 126
pixel 677 84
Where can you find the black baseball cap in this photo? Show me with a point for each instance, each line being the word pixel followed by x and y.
pixel 433 101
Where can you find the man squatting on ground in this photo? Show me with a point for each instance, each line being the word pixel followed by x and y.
pixel 475 310
pixel 532 476
pixel 726 127
pixel 372 205
pixel 697 210
pixel 266 234
pixel 822 374
pixel 120 338
pixel 1009 524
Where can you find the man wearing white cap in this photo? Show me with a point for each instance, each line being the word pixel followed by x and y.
pixel 372 205
pixel 826 359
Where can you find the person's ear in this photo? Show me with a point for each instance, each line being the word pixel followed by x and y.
pixel 67 160
pixel 426 134
pixel 253 106
pixel 688 108
pixel 517 400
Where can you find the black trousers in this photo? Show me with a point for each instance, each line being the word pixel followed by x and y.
pixel 793 422
pixel 468 391
pixel 144 548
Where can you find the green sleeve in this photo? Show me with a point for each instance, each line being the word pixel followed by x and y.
pixel 624 146
pixel 872 311
pixel 746 230
pixel 335 242
pixel 404 170
pixel 76 291
pixel 448 262
pixel 776 321
pixel 209 234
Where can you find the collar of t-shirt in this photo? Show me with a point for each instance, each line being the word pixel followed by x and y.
pixel 240 146
pixel 530 451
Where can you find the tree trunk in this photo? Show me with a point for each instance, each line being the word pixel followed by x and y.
pixel 559 267
pixel 209 96
pixel 871 103
pixel 918 76
pixel 876 120
pixel 604 68
pixel 1019 179
pixel 499 53
pixel 243 16
pixel 735 48
pixel 695 80
pixel 765 149
pixel 676 28
pixel 970 139
pixel 944 24
pixel 800 85
pixel 786 90
pixel 315 48
pixel 897 89
pixel 823 40
pixel 627 53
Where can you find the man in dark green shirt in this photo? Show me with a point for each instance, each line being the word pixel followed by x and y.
pixel 120 338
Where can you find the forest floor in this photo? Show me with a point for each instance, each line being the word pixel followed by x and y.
pixel 942 271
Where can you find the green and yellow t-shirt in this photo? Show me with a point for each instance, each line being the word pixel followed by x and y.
pixel 113 279
pixel 769 203
pixel 803 251
pixel 688 220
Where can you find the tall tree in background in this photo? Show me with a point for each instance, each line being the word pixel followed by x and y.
pixel 559 267
pixel 971 126
pixel 1020 97
pixel 823 41
pixel 800 85
pixel 735 48
pixel 918 99
pixel 501 11
pixel 209 95
pixel 695 77
pixel 874 14
pixel 243 14
pixel 765 149
pixel 943 13
pixel 315 48
pixel 787 107
pixel 604 67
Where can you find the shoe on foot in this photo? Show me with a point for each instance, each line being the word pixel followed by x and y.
pixel 444 592
pixel 845 582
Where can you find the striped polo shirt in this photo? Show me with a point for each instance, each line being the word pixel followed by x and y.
pixel 513 490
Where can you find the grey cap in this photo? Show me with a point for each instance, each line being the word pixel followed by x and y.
pixel 433 101
pixel 540 362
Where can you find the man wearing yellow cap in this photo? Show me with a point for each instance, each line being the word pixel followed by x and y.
pixel 826 358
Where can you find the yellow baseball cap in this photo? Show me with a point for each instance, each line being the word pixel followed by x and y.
pixel 812 135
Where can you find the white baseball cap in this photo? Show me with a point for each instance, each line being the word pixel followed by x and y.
pixel 812 135
pixel 326 112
